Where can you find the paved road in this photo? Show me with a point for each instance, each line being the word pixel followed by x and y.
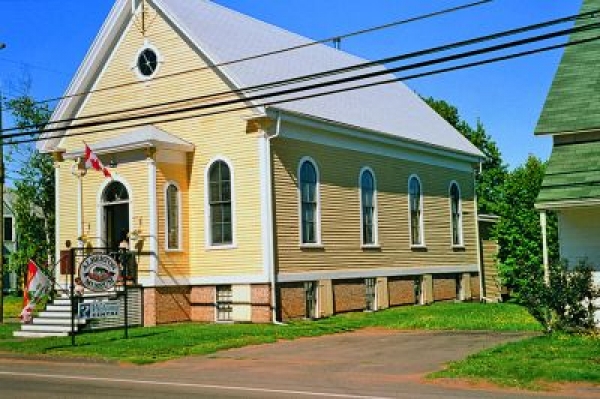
pixel 364 364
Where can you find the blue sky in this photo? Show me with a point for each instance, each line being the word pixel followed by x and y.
pixel 47 39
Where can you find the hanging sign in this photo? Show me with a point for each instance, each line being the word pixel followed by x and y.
pixel 99 272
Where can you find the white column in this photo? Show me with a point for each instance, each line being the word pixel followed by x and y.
pixel 153 217
pixel 57 243
pixel 543 225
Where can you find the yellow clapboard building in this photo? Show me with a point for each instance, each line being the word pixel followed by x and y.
pixel 254 201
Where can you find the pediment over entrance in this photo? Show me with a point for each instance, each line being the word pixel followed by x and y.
pixel 142 138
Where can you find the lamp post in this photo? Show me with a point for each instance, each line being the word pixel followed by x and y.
pixel 2 45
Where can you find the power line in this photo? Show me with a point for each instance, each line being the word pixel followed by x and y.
pixel 281 51
pixel 342 90
pixel 304 78
pixel 313 95
pixel 320 85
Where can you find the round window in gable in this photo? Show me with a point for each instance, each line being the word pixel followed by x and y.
pixel 147 62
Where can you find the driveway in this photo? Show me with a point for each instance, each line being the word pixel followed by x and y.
pixel 372 363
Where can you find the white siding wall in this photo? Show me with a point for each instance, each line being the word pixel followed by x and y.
pixel 579 236
pixel 579 231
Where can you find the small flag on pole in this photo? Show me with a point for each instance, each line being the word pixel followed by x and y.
pixel 92 161
pixel 37 287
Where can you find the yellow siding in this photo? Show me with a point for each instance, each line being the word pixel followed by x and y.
pixel 490 269
pixel 218 135
pixel 93 182
pixel 173 262
pixel 340 211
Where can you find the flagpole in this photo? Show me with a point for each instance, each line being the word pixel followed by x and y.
pixel 79 171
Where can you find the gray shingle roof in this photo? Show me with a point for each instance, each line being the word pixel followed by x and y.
pixel 392 109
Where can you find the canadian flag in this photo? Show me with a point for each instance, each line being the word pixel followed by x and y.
pixel 37 287
pixel 92 161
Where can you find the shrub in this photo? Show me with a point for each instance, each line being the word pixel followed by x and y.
pixel 566 304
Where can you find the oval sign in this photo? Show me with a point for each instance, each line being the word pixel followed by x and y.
pixel 99 272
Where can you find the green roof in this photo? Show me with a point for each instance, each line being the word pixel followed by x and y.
pixel 573 103
pixel 572 174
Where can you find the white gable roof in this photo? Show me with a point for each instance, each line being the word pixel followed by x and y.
pixel 144 137
pixel 225 35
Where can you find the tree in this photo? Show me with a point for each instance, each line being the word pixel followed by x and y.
pixel 519 232
pixel 491 179
pixel 33 179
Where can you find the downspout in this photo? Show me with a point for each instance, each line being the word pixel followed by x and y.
pixel 271 218
pixel 479 249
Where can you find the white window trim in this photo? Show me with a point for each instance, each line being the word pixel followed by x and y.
pixel 166 209
pixel 159 61
pixel 375 243
pixel 421 216
pixel 13 230
pixel 207 225
pixel 461 243
pixel 318 243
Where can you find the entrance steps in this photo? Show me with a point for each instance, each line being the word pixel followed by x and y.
pixel 54 320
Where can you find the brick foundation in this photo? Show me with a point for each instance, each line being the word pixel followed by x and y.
pixel 149 307
pixel 349 295
pixel 173 304
pixel 203 304
pixel 444 287
pixel 292 301
pixel 401 291
pixel 261 303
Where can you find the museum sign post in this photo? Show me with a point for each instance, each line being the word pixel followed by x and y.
pixel 99 273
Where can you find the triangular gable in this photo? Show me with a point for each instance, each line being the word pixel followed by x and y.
pixel 224 35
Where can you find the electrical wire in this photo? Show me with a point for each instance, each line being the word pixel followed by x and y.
pixel 283 50
pixel 320 85
pixel 341 90
pixel 303 78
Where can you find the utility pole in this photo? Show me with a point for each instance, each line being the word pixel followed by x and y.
pixel 2 45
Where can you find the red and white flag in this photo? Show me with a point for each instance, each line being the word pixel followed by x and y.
pixel 92 161
pixel 37 287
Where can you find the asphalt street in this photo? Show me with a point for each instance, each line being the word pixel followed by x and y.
pixel 364 364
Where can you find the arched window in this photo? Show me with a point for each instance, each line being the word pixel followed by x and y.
pixel 219 200
pixel 415 198
pixel 456 214
pixel 309 202
pixel 368 208
pixel 172 204
pixel 115 192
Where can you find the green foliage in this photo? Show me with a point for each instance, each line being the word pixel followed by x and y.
pixel 518 231
pixel 566 303
pixel 33 179
pixel 494 172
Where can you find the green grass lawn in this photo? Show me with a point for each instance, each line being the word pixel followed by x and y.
pixel 12 307
pixel 148 345
pixel 534 362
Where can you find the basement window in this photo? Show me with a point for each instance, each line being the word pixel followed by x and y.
pixel 370 294
pixel 224 303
